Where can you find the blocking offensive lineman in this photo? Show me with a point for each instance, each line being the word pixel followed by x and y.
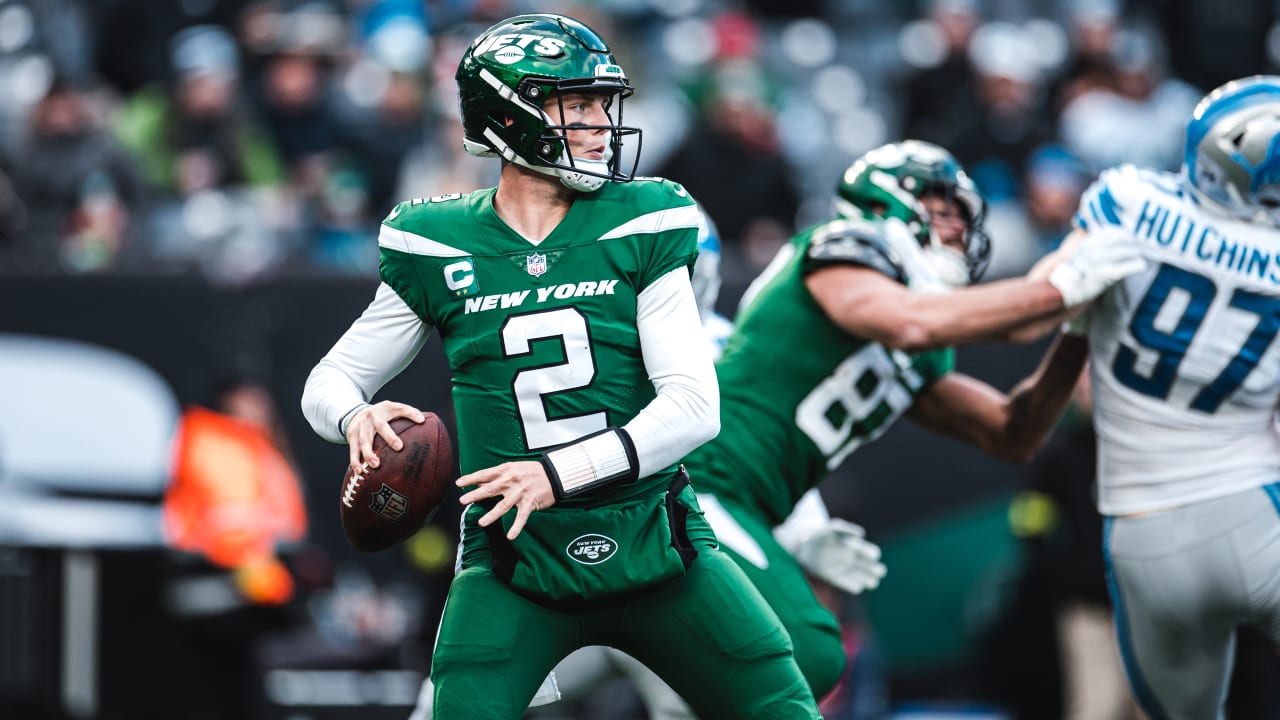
pixel 563 301
pixel 850 328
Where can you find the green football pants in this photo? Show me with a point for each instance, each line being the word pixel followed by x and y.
pixel 707 633
pixel 815 633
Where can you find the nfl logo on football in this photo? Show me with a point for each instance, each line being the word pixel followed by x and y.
pixel 536 264
pixel 389 503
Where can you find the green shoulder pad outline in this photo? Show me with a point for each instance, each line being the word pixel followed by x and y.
pixel 397 268
pixel 407 211
pixel 852 242
pixel 648 197
pixel 665 191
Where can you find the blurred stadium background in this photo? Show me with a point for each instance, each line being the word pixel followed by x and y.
pixel 190 192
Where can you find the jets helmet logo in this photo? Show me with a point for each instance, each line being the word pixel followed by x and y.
pixel 513 47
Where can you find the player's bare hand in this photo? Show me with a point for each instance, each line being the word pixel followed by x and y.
pixel 521 485
pixel 376 420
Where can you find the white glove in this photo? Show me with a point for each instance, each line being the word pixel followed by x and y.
pixel 1099 261
pixel 839 555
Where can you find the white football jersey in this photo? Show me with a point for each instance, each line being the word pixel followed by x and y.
pixel 1184 358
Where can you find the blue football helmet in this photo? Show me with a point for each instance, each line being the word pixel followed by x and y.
pixel 1232 157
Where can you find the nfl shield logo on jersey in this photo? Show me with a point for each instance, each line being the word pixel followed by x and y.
pixel 536 264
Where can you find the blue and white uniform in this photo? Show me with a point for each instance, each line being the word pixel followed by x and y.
pixel 1186 378
pixel 1185 365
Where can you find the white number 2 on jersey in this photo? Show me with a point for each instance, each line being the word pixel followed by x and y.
pixel 533 385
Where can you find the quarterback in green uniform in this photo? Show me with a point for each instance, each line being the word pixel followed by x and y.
pixel 563 302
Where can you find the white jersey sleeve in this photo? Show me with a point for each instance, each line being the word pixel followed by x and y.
pixel 381 343
pixel 686 411
pixel 1185 367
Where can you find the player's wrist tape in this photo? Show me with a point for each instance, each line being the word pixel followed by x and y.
pixel 345 422
pixel 598 459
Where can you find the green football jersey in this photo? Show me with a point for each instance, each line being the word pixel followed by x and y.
pixel 541 339
pixel 797 393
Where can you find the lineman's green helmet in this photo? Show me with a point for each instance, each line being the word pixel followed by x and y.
pixel 889 182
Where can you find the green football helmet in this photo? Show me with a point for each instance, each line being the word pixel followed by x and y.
pixel 511 70
pixel 889 182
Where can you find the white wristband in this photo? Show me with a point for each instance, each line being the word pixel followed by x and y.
pixel 600 459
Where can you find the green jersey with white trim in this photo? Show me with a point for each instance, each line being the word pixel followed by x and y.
pixel 541 339
pixel 797 393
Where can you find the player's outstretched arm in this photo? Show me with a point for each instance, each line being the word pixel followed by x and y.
pixel 1012 427
pixel 1122 263
pixel 869 304
pixel 1033 330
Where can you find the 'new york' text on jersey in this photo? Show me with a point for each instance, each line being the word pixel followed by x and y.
pixel 541 339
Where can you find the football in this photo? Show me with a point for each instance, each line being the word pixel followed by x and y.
pixel 383 506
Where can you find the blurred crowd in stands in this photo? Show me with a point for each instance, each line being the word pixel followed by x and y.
pixel 242 140
pixel 237 138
